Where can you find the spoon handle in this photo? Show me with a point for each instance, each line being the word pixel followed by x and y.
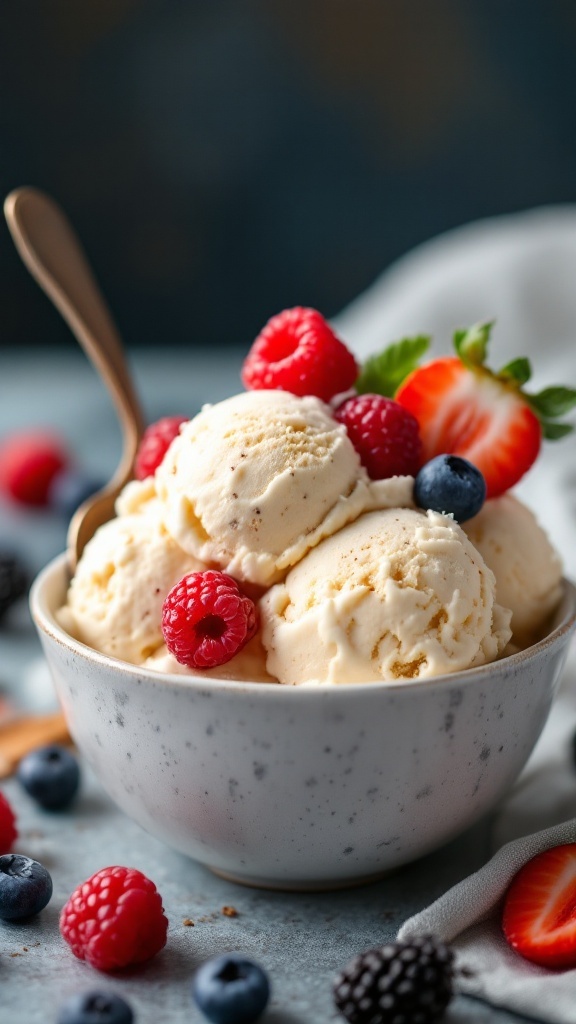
pixel 54 256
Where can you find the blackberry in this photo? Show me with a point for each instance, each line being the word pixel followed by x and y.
pixel 400 983
pixel 13 581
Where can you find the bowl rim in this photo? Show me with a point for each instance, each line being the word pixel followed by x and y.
pixel 47 624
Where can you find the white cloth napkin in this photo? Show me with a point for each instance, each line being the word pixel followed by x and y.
pixel 521 271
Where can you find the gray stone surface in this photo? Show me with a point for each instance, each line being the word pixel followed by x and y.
pixel 301 939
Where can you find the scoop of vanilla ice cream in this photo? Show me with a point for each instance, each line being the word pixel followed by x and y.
pixel 254 482
pixel 527 568
pixel 398 595
pixel 114 602
pixel 139 497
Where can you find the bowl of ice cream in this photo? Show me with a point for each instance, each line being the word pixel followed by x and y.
pixel 320 637
pixel 401 673
pixel 301 787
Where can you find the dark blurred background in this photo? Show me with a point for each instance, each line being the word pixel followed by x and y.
pixel 224 159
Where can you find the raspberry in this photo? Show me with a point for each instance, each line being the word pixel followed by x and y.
pixel 297 351
pixel 28 464
pixel 206 619
pixel 114 919
pixel 155 442
pixel 385 435
pixel 409 982
pixel 8 830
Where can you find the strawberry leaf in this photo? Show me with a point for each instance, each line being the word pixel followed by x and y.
pixel 554 431
pixel 553 402
pixel 382 374
pixel 472 344
pixel 519 370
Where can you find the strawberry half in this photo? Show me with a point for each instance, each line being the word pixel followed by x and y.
pixel 471 414
pixel 539 916
pixel 465 409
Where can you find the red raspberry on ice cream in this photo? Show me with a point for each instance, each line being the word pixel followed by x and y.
pixel 155 442
pixel 206 619
pixel 298 351
pixel 385 435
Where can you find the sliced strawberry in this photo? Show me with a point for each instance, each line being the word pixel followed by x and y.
pixel 468 411
pixel 539 916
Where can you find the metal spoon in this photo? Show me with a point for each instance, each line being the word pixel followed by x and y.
pixel 52 252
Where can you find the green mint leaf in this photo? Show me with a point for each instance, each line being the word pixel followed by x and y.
pixel 553 402
pixel 382 374
pixel 519 370
pixel 472 344
pixel 554 431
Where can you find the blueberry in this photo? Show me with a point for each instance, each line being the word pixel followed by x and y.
pixel 450 484
pixel 95 1008
pixel 50 775
pixel 231 989
pixel 69 489
pixel 25 887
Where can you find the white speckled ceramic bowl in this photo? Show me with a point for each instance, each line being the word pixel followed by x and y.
pixel 299 787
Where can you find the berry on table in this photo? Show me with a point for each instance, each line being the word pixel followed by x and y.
pixel 231 989
pixel 155 442
pixel 8 830
pixel 450 484
pixel 95 1008
pixel 298 351
pixel 206 619
pixel 466 409
pixel 50 775
pixel 29 461
pixel 69 489
pixel 402 981
pixel 13 581
pixel 114 919
pixel 385 435
pixel 539 915
pixel 25 887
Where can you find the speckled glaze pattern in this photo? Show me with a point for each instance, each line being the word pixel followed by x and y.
pixel 301 787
